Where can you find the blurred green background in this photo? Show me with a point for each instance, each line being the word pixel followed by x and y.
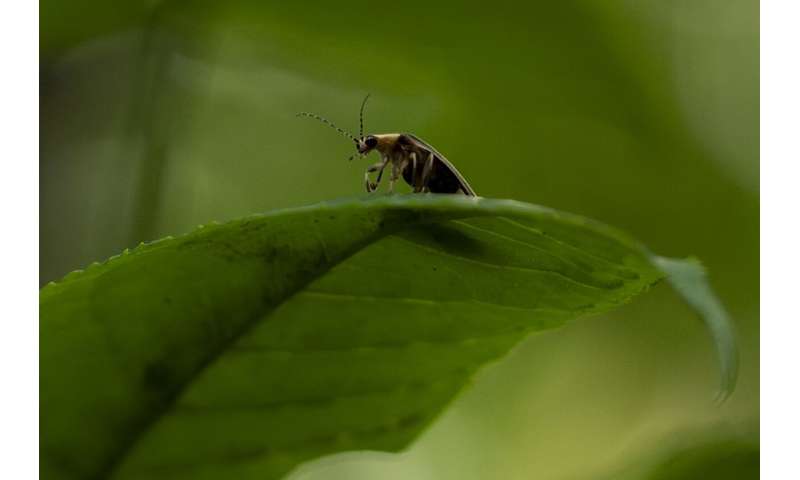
pixel 159 116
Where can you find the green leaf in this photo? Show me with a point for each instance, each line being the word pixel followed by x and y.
pixel 241 350
pixel 724 459
pixel 692 455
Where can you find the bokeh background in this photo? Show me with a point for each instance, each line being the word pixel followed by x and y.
pixel 157 116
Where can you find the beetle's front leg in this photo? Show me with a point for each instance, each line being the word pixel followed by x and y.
pixel 380 173
pixel 378 167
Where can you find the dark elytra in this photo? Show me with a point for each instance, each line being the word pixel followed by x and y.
pixel 442 180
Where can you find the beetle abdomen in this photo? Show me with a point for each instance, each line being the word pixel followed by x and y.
pixel 443 180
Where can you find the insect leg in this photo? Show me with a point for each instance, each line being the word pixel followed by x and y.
pixel 426 173
pixel 380 173
pixel 374 168
pixel 396 169
pixel 413 159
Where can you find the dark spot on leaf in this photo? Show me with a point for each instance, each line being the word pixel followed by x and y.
pixel 616 284
pixel 157 377
pixel 272 254
pixel 410 421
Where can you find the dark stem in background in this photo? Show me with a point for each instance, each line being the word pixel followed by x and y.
pixel 158 111
pixel 147 113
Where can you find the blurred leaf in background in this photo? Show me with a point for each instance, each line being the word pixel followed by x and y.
pixel 158 116
pixel 693 454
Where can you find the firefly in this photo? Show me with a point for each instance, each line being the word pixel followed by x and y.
pixel 415 160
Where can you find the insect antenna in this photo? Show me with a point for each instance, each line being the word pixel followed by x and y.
pixel 328 123
pixel 361 117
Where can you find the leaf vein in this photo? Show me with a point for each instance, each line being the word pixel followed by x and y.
pixel 506 267
pixel 534 247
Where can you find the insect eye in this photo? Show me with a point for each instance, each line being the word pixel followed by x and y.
pixel 371 142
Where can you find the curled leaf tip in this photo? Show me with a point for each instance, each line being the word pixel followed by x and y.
pixel 689 279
